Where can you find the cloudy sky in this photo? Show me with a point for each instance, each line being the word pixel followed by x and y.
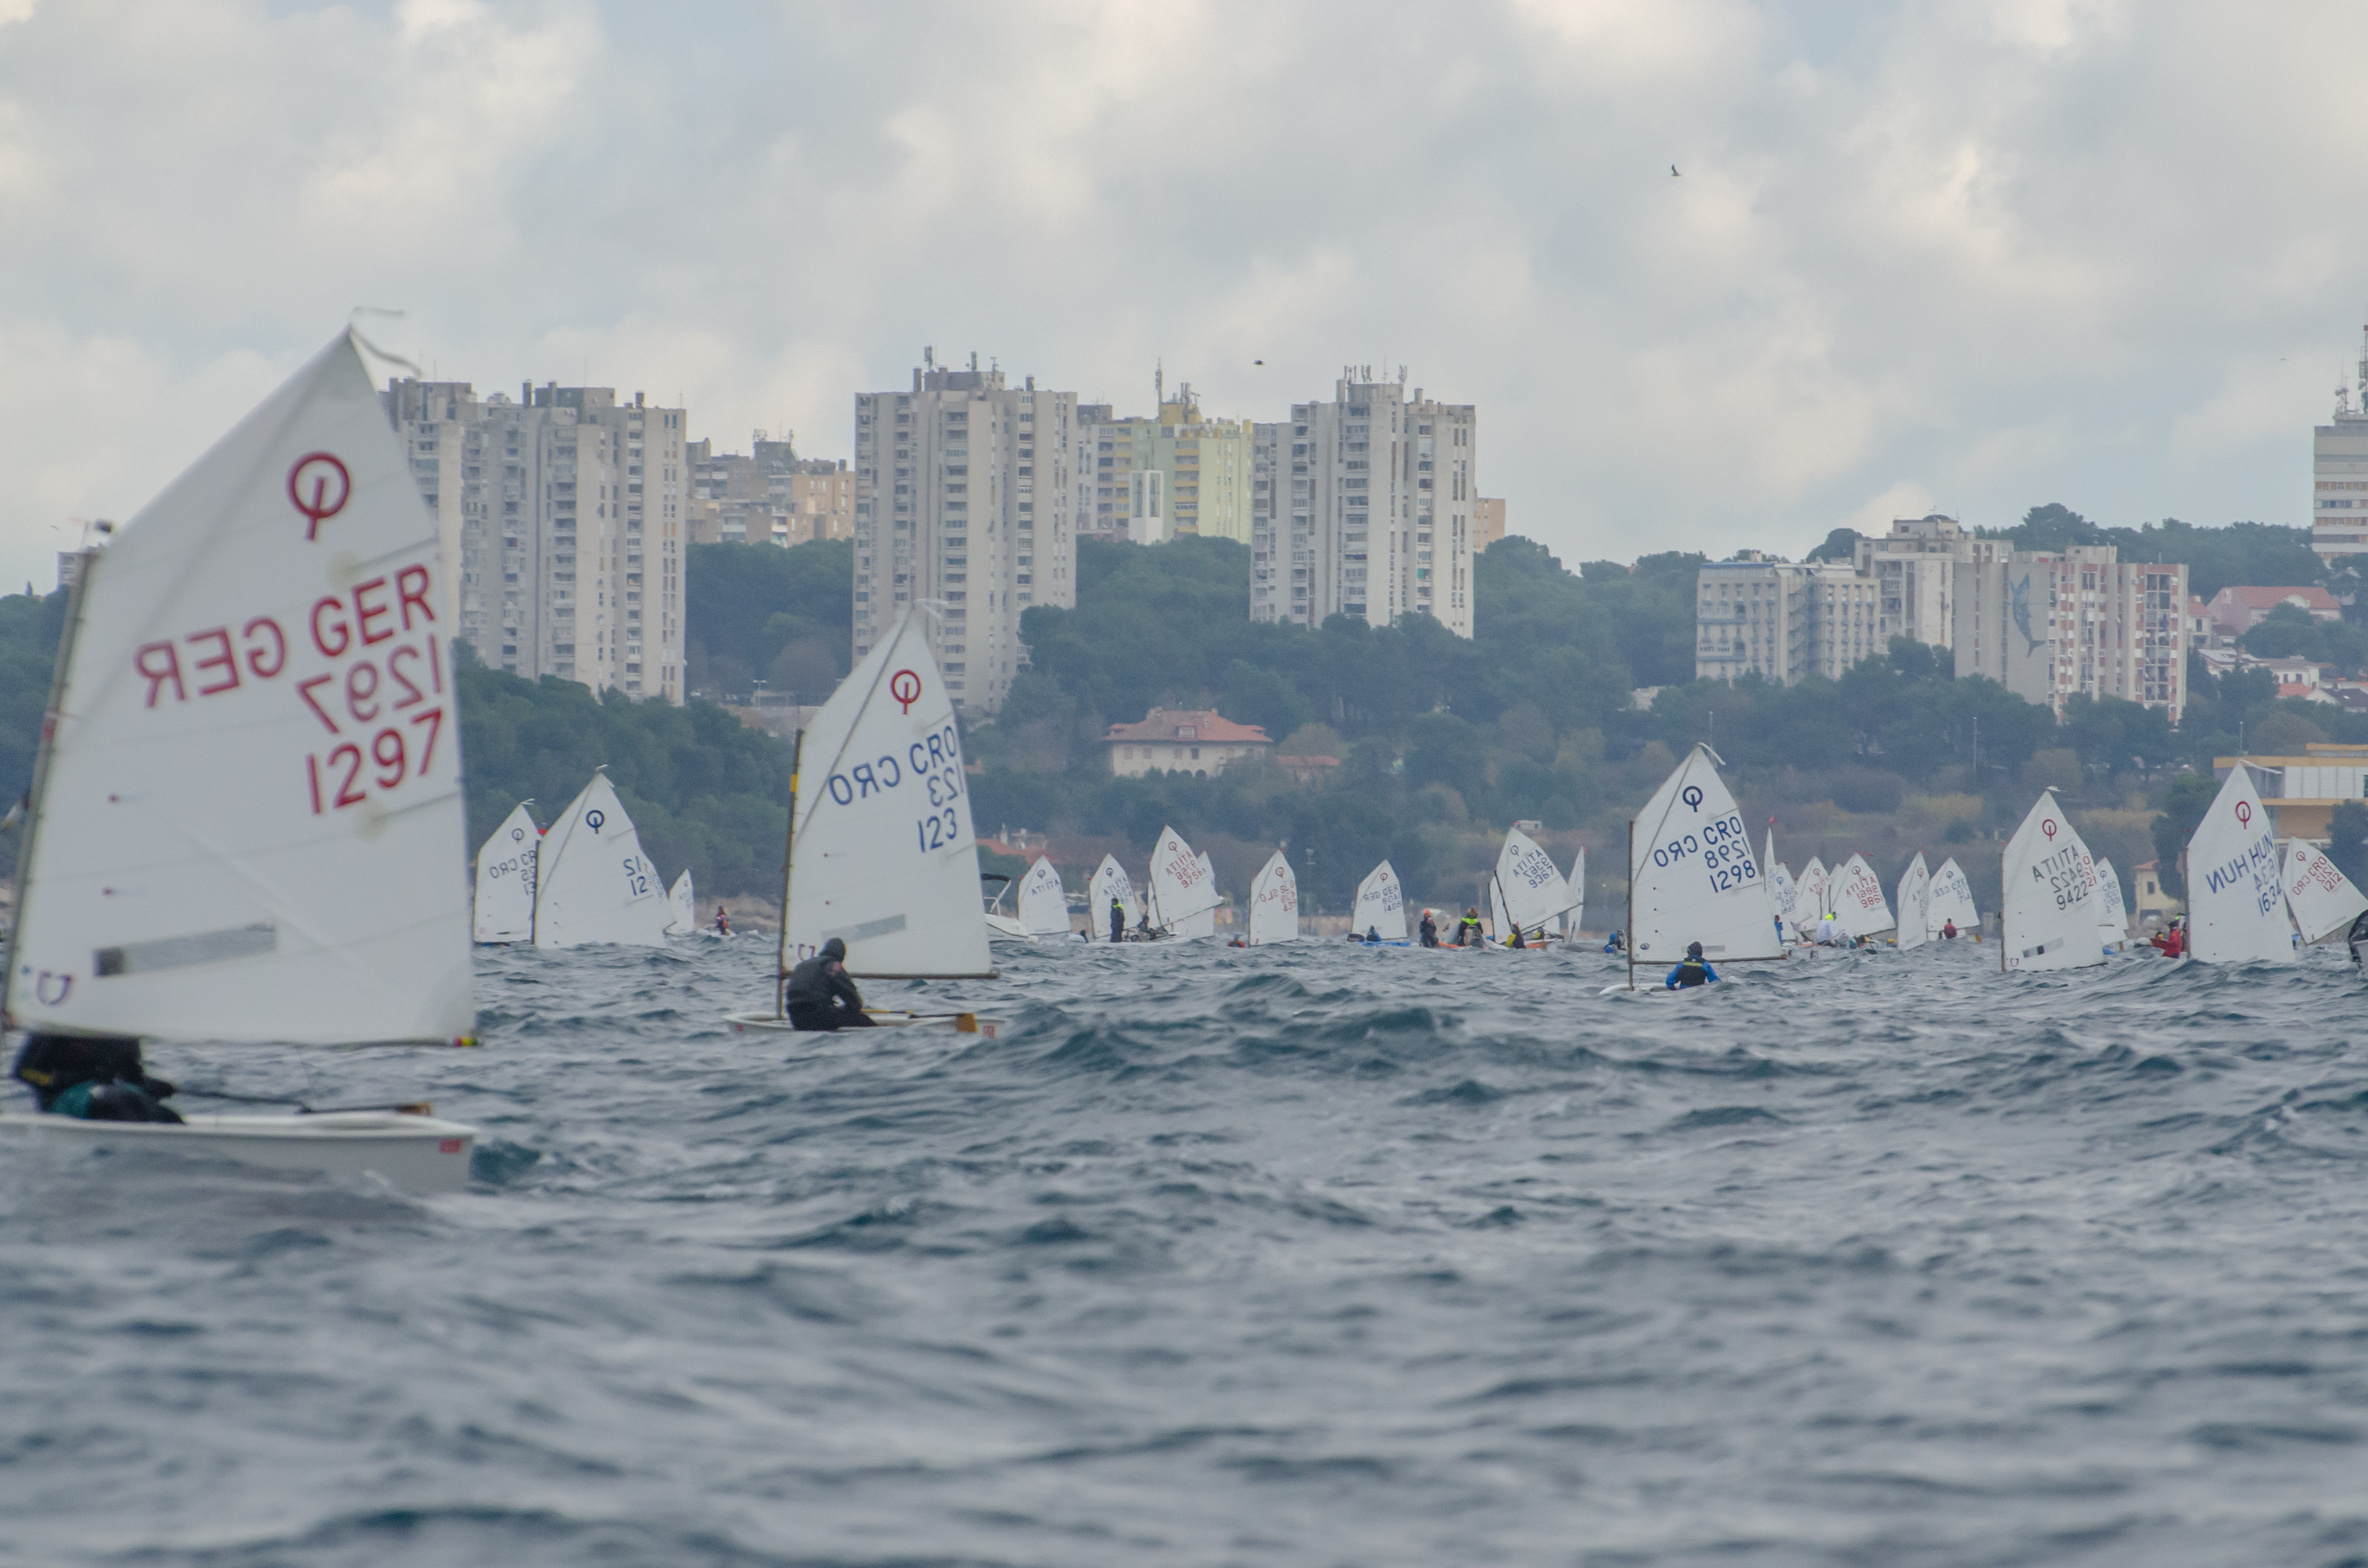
pixel 1971 256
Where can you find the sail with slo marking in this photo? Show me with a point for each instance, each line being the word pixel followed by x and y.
pixel 1915 904
pixel 1044 906
pixel 682 906
pixel 1951 900
pixel 505 879
pixel 2047 912
pixel 1381 906
pixel 1205 923
pixel 2112 922
pixel 247 824
pixel 1111 882
pixel 881 855
pixel 1181 886
pixel 1531 885
pixel 2235 898
pixel 596 885
pixel 1855 895
pixel 1274 904
pixel 1692 875
pixel 2323 899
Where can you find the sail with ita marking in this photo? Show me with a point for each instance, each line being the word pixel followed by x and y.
pixel 2047 913
pixel 1044 906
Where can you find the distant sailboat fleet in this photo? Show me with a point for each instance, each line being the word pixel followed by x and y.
pixel 585 880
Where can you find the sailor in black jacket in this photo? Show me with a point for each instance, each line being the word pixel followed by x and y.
pixel 821 996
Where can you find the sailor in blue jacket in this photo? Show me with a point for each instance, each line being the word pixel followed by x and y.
pixel 1692 970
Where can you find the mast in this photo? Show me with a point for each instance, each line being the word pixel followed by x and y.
pixel 50 714
pixel 789 855
pixel 1632 904
pixel 2003 943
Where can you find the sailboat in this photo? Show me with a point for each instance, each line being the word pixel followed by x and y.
pixel 1381 906
pixel 2236 899
pixel 1192 927
pixel 1182 886
pixel 1915 904
pixel 1500 919
pixel 2323 899
pixel 2046 911
pixel 1274 904
pixel 1855 895
pixel 2112 923
pixel 594 883
pixel 1781 888
pixel 1576 916
pixel 1529 888
pixel 1111 884
pixel 880 853
pixel 1809 901
pixel 1953 900
pixel 682 908
pixel 506 863
pixel 1691 877
pixel 1043 906
pixel 245 825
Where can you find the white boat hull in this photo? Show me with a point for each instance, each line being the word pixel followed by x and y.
pixel 417 1153
pixel 961 1023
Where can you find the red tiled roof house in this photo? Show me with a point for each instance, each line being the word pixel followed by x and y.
pixel 1182 739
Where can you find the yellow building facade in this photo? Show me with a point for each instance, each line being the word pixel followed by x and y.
pixel 1180 473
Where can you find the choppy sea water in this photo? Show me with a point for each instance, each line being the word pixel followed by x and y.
pixel 1296 1255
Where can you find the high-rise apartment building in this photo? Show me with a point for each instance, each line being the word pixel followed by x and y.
pixel 949 478
pixel 1914 571
pixel 2046 624
pixel 1180 472
pixel 1364 506
pixel 566 514
pixel 2338 473
pixel 1782 621
pixel 770 496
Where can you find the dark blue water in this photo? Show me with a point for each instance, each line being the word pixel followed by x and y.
pixel 1300 1255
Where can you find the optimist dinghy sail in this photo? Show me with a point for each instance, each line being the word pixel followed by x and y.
pixel 1181 885
pixel 1809 900
pixel 2047 915
pixel 1915 904
pixel 246 822
pixel 682 908
pixel 1274 904
pixel 2112 923
pixel 1204 924
pixel 595 884
pixel 505 879
pixel 1692 875
pixel 1532 888
pixel 1781 888
pixel 1576 916
pixel 1044 906
pixel 1855 895
pixel 1381 906
pixel 1952 899
pixel 1110 881
pixel 2236 899
pixel 2323 899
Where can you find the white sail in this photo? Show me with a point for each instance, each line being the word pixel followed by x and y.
pixel 1576 916
pixel 1809 899
pixel 1692 877
pixel 248 823
pixel 1855 895
pixel 2323 899
pixel 682 908
pixel 2047 915
pixel 596 885
pixel 1915 904
pixel 881 855
pixel 1274 904
pixel 1500 920
pixel 1043 904
pixel 2112 922
pixel 1783 890
pixel 1194 926
pixel 505 879
pixel 1533 887
pixel 1953 900
pixel 1111 882
pixel 2236 899
pixel 1182 885
pixel 1381 906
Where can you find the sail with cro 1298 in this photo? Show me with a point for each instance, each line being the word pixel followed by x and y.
pixel 1692 876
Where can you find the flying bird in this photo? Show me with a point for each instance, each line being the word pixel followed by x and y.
pixel 1257 361
pixel 1673 172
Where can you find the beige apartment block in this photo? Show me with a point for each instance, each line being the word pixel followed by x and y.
pixel 2048 624
pixel 1365 505
pixel 1782 621
pixel 949 478
pixel 1183 472
pixel 1487 523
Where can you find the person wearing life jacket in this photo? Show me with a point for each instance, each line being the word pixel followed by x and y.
pixel 1118 918
pixel 1615 943
pixel 1429 931
pixel 1949 929
pixel 1373 936
pixel 98 1079
pixel 1692 971
pixel 821 996
pixel 1516 939
pixel 722 922
pixel 2170 942
pixel 1467 930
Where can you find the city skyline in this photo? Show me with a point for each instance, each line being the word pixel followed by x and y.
pixel 1913 259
